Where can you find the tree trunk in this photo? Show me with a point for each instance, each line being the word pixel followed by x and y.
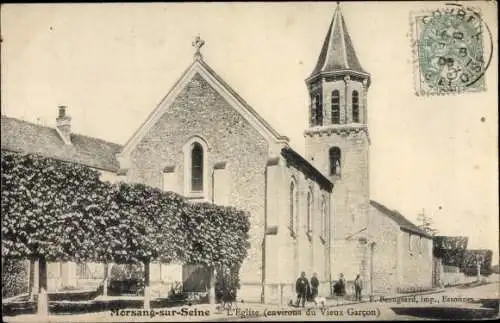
pixel 211 291
pixel 43 304
pixel 147 288
pixel 107 274
pixel 31 277
pixel 34 280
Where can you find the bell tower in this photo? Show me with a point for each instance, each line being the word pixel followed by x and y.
pixel 337 140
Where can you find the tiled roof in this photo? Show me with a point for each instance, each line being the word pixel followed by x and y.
pixel 337 52
pixel 403 222
pixel 26 137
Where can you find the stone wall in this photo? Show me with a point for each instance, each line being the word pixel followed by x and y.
pixel 451 279
pixel 401 259
pixel 351 191
pixel 385 234
pixel 298 250
pixel 288 253
pixel 348 259
pixel 201 111
pixel 416 262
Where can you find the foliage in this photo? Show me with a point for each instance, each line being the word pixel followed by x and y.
pixel 50 208
pixel 126 279
pixel 426 224
pixel 228 283
pixel 62 211
pixel 127 271
pixel 470 259
pixel 450 249
pixel 14 277
pixel 218 236
pixel 175 291
pixel 143 224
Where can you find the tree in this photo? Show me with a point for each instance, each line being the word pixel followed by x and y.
pixel 59 211
pixel 143 224
pixel 218 238
pixel 50 209
pixel 477 258
pixel 450 249
pixel 426 223
pixel 14 277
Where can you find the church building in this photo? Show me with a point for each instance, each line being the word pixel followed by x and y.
pixel 309 213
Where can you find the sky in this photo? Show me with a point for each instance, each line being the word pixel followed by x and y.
pixel 111 64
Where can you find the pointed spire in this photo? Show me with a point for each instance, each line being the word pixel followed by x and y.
pixel 337 52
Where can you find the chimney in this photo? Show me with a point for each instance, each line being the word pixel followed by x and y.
pixel 63 125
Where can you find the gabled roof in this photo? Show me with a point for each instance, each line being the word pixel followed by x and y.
pixel 337 53
pixel 403 222
pixel 230 95
pixel 244 103
pixel 25 137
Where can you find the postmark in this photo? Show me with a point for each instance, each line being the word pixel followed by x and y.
pixel 452 49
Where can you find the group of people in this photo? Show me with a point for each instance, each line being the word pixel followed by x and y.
pixel 309 291
pixel 306 291
pixel 339 288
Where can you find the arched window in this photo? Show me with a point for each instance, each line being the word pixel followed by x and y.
pixel 323 219
pixel 197 168
pixel 335 107
pixel 319 110
pixel 309 213
pixel 355 106
pixel 334 156
pixel 293 208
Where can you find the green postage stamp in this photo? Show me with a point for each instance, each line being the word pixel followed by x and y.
pixel 449 50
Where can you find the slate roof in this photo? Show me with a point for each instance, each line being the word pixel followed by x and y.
pixel 337 52
pixel 403 222
pixel 25 137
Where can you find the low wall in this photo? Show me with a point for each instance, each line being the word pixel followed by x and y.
pixel 450 279
pixel 161 289
pixel 451 269
pixel 88 284
pixel 56 284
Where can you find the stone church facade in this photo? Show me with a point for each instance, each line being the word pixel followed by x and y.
pixel 309 213
pixel 205 142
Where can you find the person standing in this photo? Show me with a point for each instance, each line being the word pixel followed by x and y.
pixel 342 284
pixel 301 287
pixel 358 286
pixel 314 286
